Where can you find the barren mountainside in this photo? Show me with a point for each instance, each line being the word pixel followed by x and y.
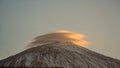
pixel 58 55
pixel 59 49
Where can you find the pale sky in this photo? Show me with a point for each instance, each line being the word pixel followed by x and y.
pixel 22 20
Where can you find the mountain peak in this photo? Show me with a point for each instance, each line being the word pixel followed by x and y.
pixel 58 50
pixel 58 55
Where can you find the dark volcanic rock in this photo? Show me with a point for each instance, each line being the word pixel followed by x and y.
pixel 59 55
pixel 60 49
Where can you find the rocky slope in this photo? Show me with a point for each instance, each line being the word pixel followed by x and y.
pixel 59 55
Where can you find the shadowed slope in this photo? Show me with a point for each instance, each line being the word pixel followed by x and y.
pixel 59 55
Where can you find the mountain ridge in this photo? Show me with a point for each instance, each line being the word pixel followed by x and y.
pixel 60 49
pixel 60 55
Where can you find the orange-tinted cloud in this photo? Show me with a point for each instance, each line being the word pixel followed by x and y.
pixel 61 36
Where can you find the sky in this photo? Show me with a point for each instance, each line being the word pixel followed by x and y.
pixel 22 20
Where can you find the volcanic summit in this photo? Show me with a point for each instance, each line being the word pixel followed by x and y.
pixel 59 49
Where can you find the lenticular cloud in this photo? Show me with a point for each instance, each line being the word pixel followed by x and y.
pixel 59 36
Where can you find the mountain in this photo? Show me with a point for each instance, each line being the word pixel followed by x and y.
pixel 59 51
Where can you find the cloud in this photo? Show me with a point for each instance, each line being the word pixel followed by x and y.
pixel 61 37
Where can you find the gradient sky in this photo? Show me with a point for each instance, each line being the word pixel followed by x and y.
pixel 22 20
